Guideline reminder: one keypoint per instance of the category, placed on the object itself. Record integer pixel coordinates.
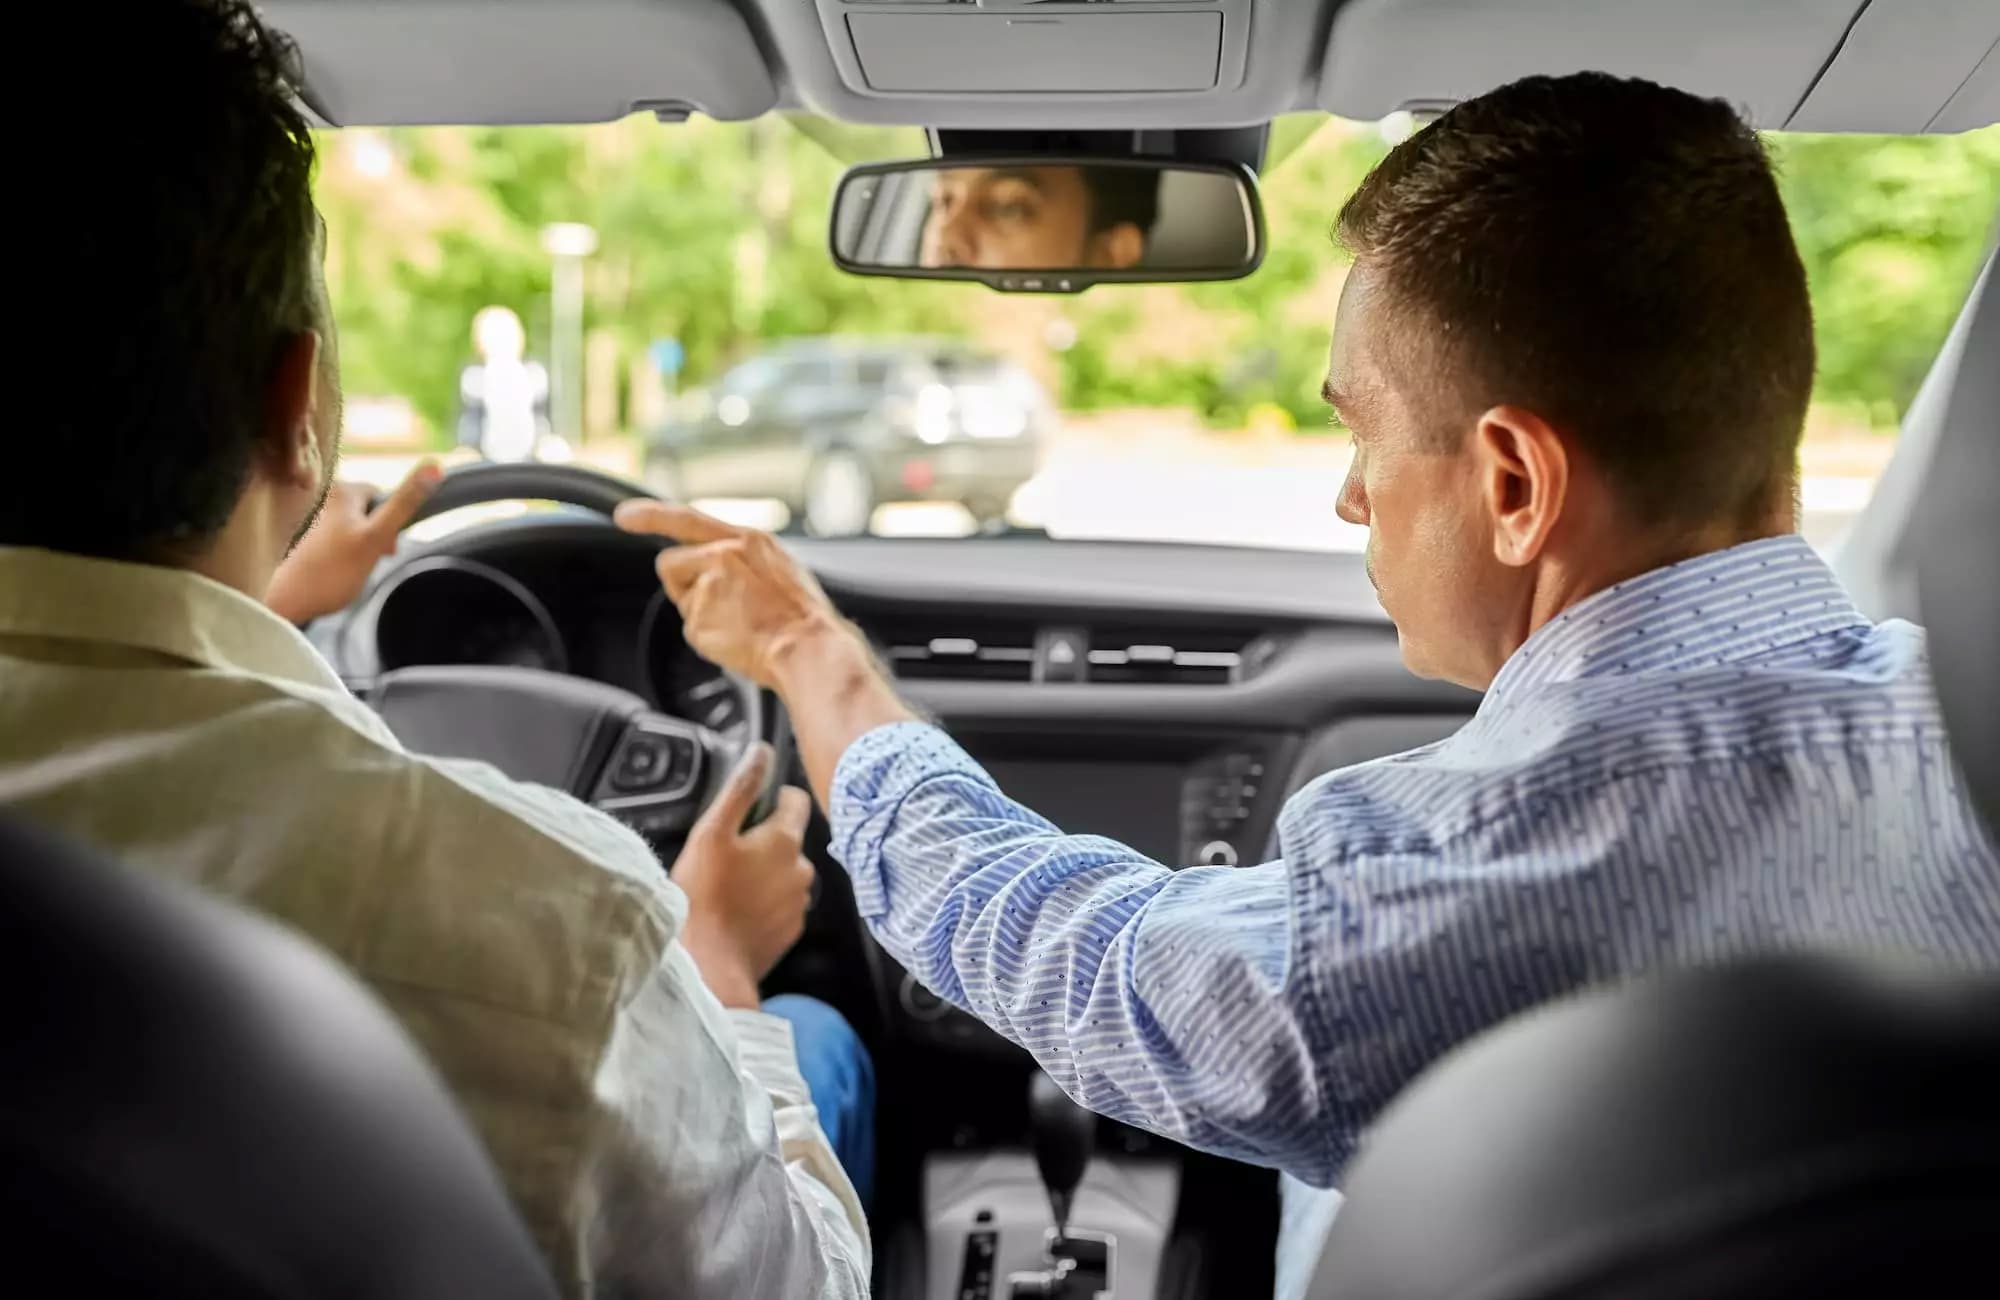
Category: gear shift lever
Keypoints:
(1063, 1134)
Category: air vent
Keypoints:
(976, 650)
(1176, 656)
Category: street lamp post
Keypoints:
(568, 243)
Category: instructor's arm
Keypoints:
(1166, 999)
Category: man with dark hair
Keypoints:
(599, 1023)
(1123, 196)
(1636, 305)
(1575, 352)
(1040, 218)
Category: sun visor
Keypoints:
(1763, 55)
(1910, 66)
(504, 62)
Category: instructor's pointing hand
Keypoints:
(744, 602)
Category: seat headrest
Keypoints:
(1957, 548)
(1586, 1147)
(194, 1091)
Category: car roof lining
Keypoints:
(1900, 66)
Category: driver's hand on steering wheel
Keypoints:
(747, 890)
(331, 563)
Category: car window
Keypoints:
(817, 373)
(956, 368)
(711, 259)
(751, 379)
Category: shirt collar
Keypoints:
(1721, 607)
(147, 607)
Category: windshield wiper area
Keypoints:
(1002, 528)
(993, 528)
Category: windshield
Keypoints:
(658, 301)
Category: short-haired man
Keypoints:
(1039, 218)
(1575, 351)
(599, 1023)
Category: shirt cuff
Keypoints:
(877, 773)
(768, 1055)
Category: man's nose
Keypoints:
(1352, 503)
(958, 238)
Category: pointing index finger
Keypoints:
(681, 523)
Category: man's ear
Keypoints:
(1523, 474)
(1120, 247)
(291, 445)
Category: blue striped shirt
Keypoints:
(1718, 756)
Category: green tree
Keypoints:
(1891, 230)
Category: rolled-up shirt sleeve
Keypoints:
(1167, 999)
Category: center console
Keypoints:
(988, 1234)
(1058, 1224)
(1228, 800)
(1179, 798)
(1183, 800)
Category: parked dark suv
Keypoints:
(834, 428)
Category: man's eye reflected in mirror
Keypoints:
(1039, 218)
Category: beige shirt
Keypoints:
(657, 1144)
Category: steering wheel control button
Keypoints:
(653, 778)
(645, 763)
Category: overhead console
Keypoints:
(1015, 47)
(1046, 64)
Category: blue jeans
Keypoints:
(841, 1078)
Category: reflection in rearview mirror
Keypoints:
(1048, 224)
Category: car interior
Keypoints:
(1170, 696)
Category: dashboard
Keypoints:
(1169, 697)
(523, 606)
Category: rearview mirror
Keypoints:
(1048, 225)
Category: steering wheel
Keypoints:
(603, 744)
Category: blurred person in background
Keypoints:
(504, 396)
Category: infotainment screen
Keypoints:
(1137, 804)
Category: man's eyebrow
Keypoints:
(1347, 406)
(1029, 176)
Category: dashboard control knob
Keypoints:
(919, 1003)
(1217, 853)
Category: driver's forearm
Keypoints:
(836, 693)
